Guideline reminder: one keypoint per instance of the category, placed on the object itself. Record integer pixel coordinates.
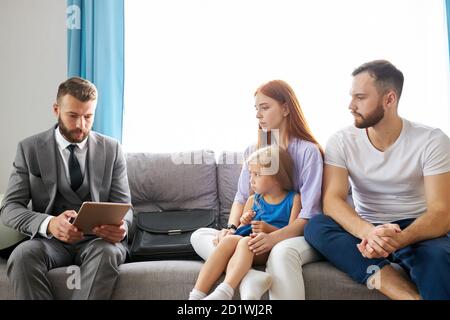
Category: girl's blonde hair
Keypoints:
(274, 161)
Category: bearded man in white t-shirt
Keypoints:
(399, 172)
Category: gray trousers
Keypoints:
(99, 263)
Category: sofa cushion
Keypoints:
(149, 280)
(175, 279)
(324, 281)
(164, 280)
(228, 170)
(172, 181)
(8, 237)
(5, 288)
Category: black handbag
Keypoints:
(167, 235)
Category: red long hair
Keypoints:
(297, 126)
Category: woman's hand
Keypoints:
(222, 233)
(261, 243)
(247, 217)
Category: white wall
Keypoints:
(32, 64)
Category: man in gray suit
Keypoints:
(58, 170)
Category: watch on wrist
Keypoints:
(231, 226)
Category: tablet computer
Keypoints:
(92, 214)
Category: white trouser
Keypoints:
(284, 264)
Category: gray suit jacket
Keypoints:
(34, 178)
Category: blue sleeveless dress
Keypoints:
(275, 214)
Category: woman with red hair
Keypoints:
(282, 122)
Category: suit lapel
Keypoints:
(46, 153)
(96, 162)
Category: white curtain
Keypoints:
(191, 67)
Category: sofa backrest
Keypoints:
(229, 167)
(172, 181)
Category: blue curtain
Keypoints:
(95, 49)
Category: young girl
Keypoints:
(272, 206)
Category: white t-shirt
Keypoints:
(389, 186)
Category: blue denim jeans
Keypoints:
(427, 262)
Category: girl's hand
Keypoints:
(247, 217)
(261, 226)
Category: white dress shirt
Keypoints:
(80, 153)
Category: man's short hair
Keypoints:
(386, 75)
(78, 88)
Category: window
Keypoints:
(192, 66)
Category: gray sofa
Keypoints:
(191, 180)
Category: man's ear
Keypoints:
(391, 99)
(56, 109)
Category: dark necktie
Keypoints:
(76, 178)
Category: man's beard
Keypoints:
(70, 135)
(371, 119)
